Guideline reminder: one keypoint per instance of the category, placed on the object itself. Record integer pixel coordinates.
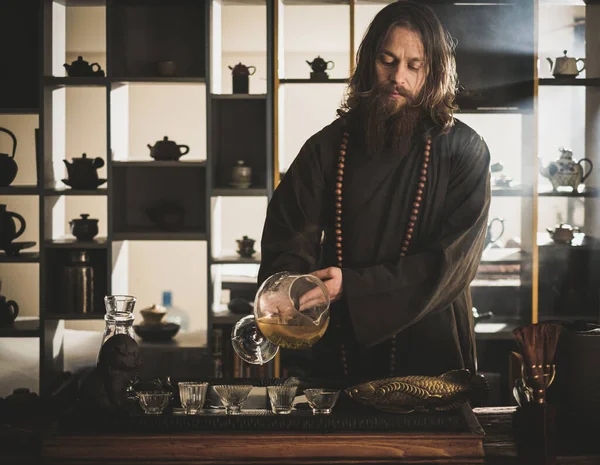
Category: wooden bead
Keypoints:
(338, 219)
(416, 204)
(338, 185)
(338, 245)
(341, 165)
(405, 242)
(413, 218)
(410, 230)
(340, 172)
(424, 172)
(338, 232)
(338, 192)
(338, 212)
(421, 185)
(404, 248)
(426, 153)
(411, 224)
(415, 211)
(423, 179)
(338, 205)
(408, 236)
(340, 179)
(418, 198)
(338, 226)
(425, 165)
(342, 152)
(338, 253)
(402, 254)
(338, 239)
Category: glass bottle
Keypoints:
(119, 316)
(175, 314)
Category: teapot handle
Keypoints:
(95, 64)
(22, 220)
(583, 62)
(332, 65)
(584, 177)
(253, 68)
(186, 149)
(501, 230)
(98, 162)
(15, 308)
(14, 139)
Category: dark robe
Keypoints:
(422, 299)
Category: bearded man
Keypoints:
(388, 205)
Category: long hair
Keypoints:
(439, 90)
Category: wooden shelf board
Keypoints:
(68, 243)
(22, 327)
(502, 256)
(160, 236)
(19, 111)
(121, 81)
(69, 191)
(582, 191)
(23, 257)
(159, 164)
(311, 81)
(225, 317)
(74, 316)
(588, 82)
(57, 82)
(19, 190)
(516, 191)
(233, 192)
(238, 96)
(235, 260)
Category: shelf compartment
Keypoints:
(69, 191)
(56, 260)
(582, 191)
(68, 243)
(140, 186)
(57, 82)
(233, 192)
(589, 82)
(22, 327)
(239, 132)
(516, 191)
(23, 257)
(20, 190)
(19, 111)
(143, 32)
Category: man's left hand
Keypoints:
(332, 278)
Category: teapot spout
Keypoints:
(551, 63)
(67, 67)
(309, 63)
(544, 171)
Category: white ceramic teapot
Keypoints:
(566, 66)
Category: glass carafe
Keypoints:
(119, 316)
(290, 311)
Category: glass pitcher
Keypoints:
(119, 316)
(290, 311)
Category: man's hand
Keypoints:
(332, 279)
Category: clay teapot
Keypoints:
(83, 172)
(562, 233)
(167, 150)
(153, 315)
(242, 70)
(489, 239)
(8, 228)
(241, 175)
(246, 247)
(566, 172)
(566, 66)
(9, 310)
(84, 228)
(81, 68)
(8, 165)
(319, 65)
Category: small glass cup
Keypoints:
(282, 398)
(153, 402)
(321, 400)
(192, 395)
(233, 396)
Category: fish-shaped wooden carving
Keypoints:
(421, 393)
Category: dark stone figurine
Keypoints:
(107, 385)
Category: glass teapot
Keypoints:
(290, 311)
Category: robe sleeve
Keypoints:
(386, 298)
(291, 239)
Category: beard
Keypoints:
(389, 123)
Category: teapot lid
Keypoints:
(165, 141)
(318, 59)
(83, 157)
(564, 227)
(85, 218)
(79, 62)
(154, 308)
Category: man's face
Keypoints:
(400, 66)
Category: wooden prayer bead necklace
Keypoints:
(407, 235)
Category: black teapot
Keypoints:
(8, 228)
(9, 310)
(319, 65)
(8, 165)
(81, 68)
(84, 228)
(240, 75)
(167, 150)
(489, 239)
(83, 172)
(246, 247)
